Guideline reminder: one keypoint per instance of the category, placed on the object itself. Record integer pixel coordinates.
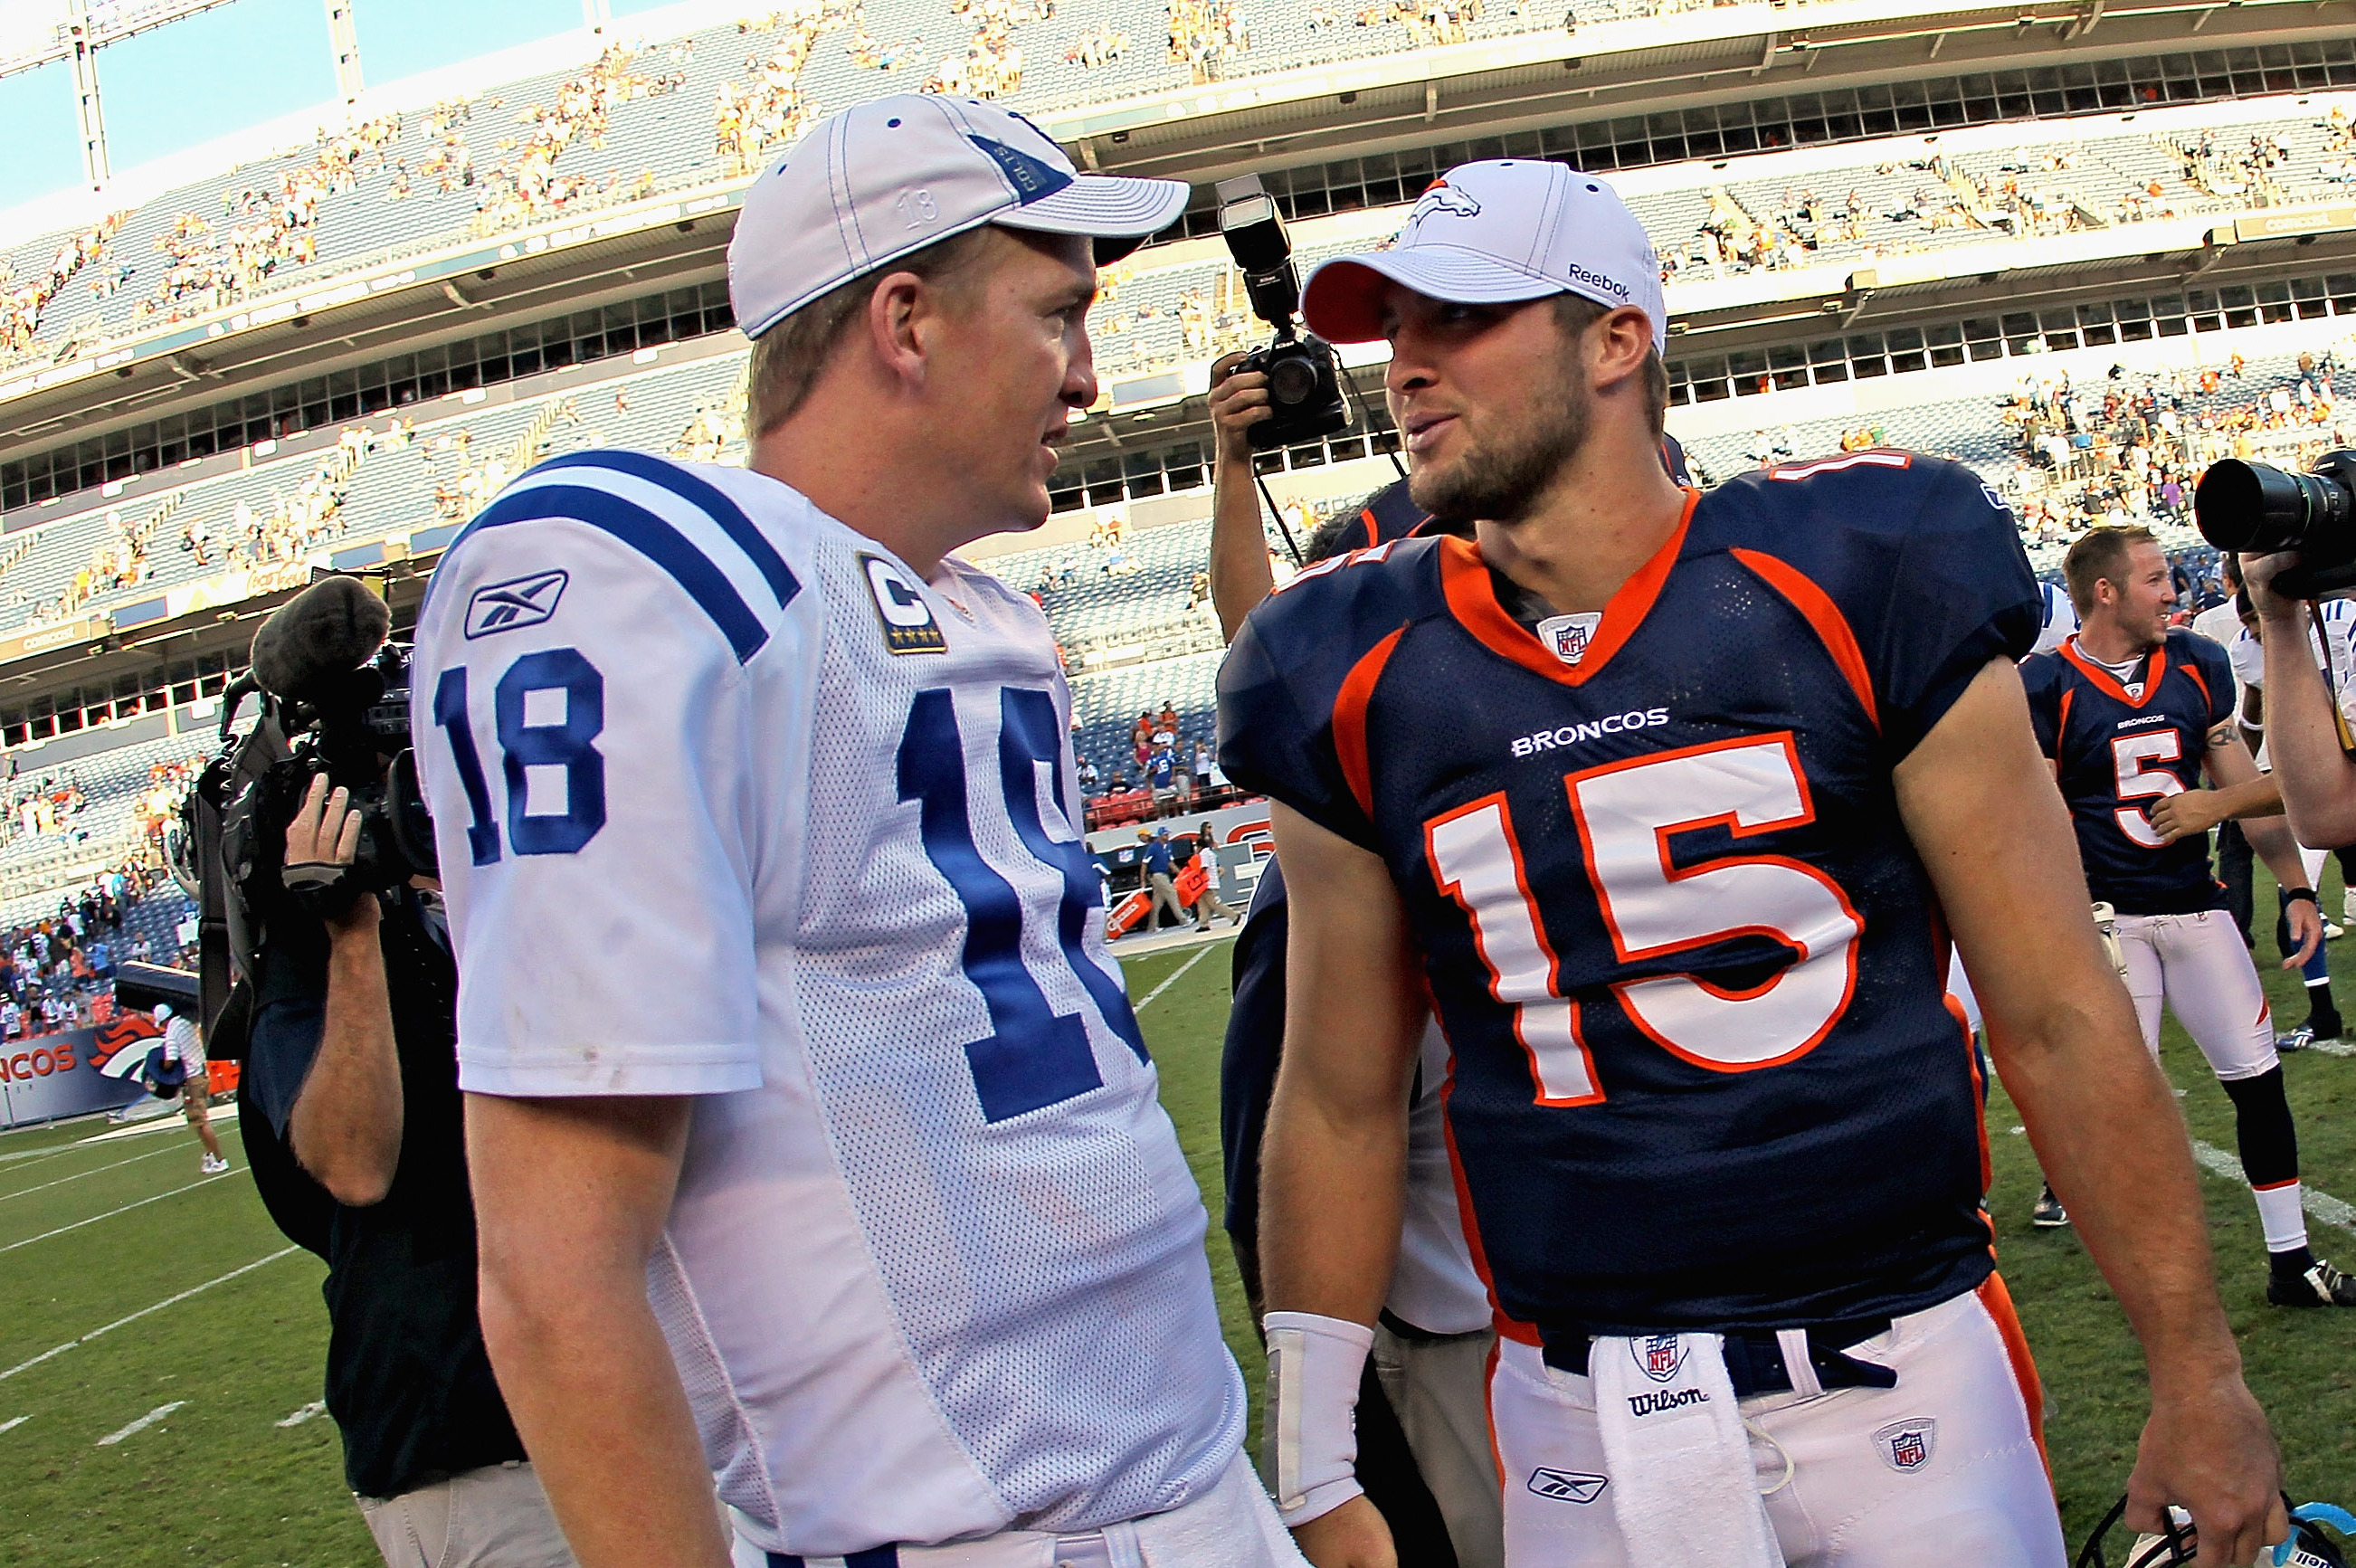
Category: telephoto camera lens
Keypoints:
(2251, 508)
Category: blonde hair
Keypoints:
(788, 358)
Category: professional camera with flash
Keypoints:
(1304, 379)
(2254, 509)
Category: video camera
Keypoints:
(2250, 508)
(1305, 376)
(335, 703)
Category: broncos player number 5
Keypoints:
(549, 709)
(1627, 814)
(2129, 753)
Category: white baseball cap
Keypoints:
(886, 178)
(163, 1014)
(1493, 232)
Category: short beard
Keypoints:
(1505, 485)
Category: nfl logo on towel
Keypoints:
(1906, 1446)
(1660, 1356)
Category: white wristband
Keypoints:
(1314, 1365)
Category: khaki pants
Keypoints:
(495, 1517)
(1440, 1390)
(1165, 893)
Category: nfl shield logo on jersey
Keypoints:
(1906, 1445)
(1567, 636)
(1660, 1356)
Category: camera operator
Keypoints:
(2295, 532)
(2304, 724)
(351, 1061)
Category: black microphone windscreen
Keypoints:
(329, 629)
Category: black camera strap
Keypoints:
(1277, 512)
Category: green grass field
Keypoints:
(92, 1234)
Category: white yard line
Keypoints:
(141, 1424)
(2318, 1205)
(317, 1407)
(145, 1311)
(220, 1116)
(117, 1166)
(12, 1423)
(1176, 976)
(140, 1202)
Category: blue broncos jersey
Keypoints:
(2116, 748)
(1689, 964)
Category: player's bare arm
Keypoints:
(2318, 780)
(2234, 771)
(2065, 1038)
(1240, 577)
(1333, 1167)
(2197, 811)
(571, 1196)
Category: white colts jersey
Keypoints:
(2061, 618)
(730, 804)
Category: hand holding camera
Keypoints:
(322, 842)
(1240, 402)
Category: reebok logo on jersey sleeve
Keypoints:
(907, 619)
(517, 602)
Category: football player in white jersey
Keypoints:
(2060, 619)
(890, 1239)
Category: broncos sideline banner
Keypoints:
(56, 1075)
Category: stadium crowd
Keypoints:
(57, 973)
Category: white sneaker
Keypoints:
(214, 1165)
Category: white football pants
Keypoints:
(1944, 1469)
(2197, 964)
(1233, 1525)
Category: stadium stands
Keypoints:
(649, 116)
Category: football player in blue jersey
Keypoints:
(1666, 804)
(2132, 713)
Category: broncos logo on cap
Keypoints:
(1441, 197)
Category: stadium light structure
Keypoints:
(82, 28)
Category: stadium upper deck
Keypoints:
(677, 114)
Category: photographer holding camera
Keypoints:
(351, 1061)
(2296, 537)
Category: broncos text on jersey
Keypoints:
(1705, 1075)
(2119, 747)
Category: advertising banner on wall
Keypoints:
(56, 1075)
